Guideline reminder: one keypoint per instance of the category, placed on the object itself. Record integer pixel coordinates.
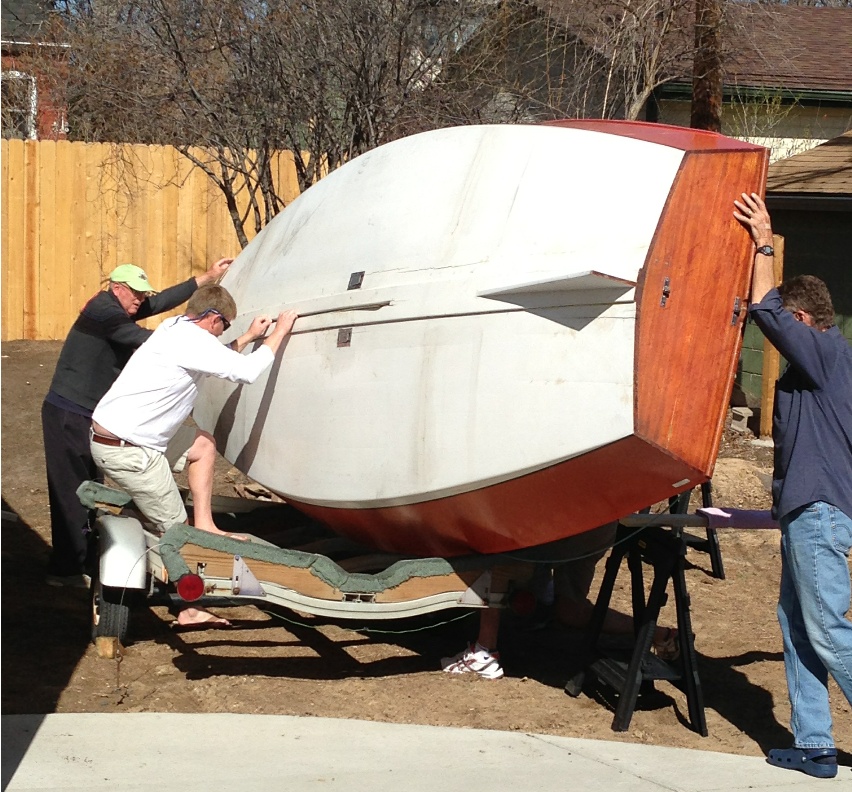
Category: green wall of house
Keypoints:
(751, 364)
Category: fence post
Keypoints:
(771, 357)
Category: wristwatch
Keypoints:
(766, 250)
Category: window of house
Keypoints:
(18, 107)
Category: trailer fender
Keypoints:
(123, 551)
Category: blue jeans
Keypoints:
(812, 607)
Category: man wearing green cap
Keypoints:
(100, 342)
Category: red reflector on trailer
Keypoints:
(189, 587)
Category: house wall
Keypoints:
(750, 370)
(819, 242)
(50, 123)
(787, 130)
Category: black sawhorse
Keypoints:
(664, 549)
(679, 504)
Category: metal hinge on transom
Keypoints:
(735, 318)
(666, 292)
(355, 280)
(344, 337)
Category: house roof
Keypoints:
(824, 170)
(22, 20)
(805, 51)
(798, 48)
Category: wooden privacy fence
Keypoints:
(73, 211)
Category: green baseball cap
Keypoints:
(133, 276)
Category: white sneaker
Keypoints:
(473, 661)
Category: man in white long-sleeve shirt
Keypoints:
(137, 431)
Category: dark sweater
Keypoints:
(101, 341)
(812, 420)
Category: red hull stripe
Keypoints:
(550, 504)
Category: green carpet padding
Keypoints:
(91, 494)
(324, 568)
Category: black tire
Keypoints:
(110, 612)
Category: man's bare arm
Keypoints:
(257, 330)
(283, 326)
(752, 213)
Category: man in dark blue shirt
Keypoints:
(98, 345)
(811, 494)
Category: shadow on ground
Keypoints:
(45, 630)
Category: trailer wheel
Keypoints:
(110, 612)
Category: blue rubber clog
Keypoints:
(816, 762)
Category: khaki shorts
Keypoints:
(146, 475)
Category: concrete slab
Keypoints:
(180, 753)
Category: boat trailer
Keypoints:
(311, 570)
(307, 568)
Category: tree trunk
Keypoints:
(707, 67)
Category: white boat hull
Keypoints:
(491, 340)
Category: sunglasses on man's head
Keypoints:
(225, 323)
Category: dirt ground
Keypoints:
(277, 662)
